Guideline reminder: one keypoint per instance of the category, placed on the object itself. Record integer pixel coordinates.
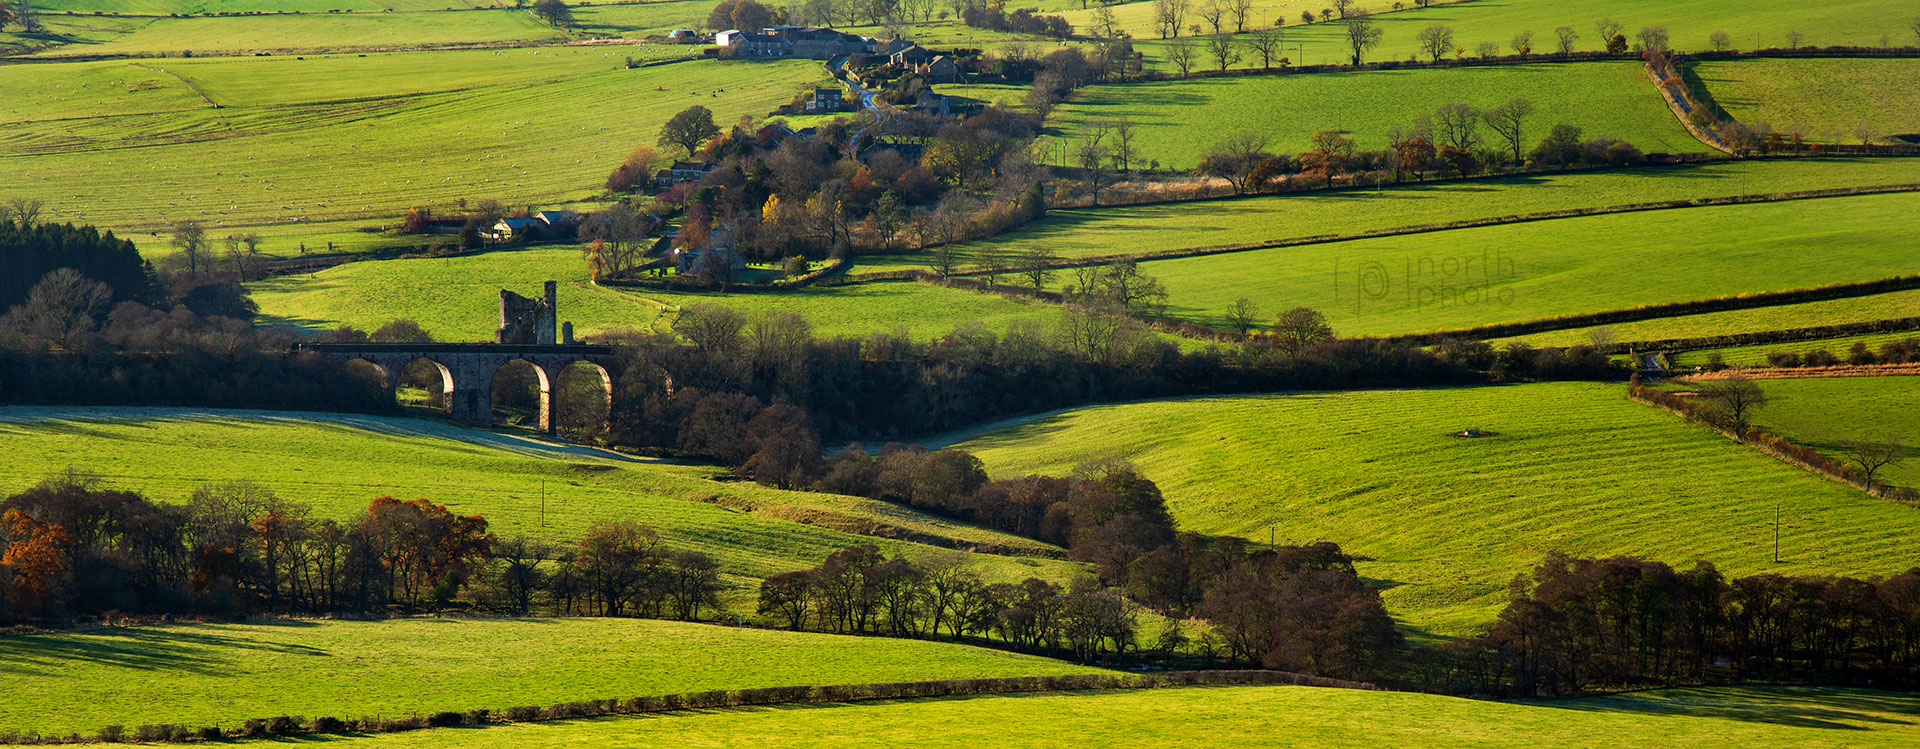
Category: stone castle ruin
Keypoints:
(531, 321)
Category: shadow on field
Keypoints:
(143, 648)
(1801, 707)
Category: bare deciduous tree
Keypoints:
(1362, 34)
(1296, 329)
(1567, 37)
(1436, 41)
(1244, 315)
(1522, 43)
(1224, 50)
(710, 327)
(1268, 43)
(1738, 397)
(1509, 120)
(1180, 53)
(1036, 265)
(1720, 40)
(1872, 452)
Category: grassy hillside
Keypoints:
(1780, 317)
(1826, 100)
(1261, 717)
(1448, 521)
(1542, 269)
(457, 299)
(338, 463)
(206, 674)
(286, 146)
(315, 32)
(1824, 413)
(1763, 23)
(1177, 121)
(1157, 228)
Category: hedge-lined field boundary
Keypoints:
(912, 274)
(1673, 309)
(1764, 337)
(1779, 447)
(286, 725)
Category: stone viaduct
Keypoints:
(526, 334)
(467, 370)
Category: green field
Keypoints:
(1177, 121)
(1823, 99)
(347, 138)
(1083, 232)
(207, 674)
(1517, 272)
(312, 32)
(1825, 412)
(457, 299)
(1757, 355)
(1448, 521)
(1256, 717)
(338, 463)
(1779, 317)
(1751, 24)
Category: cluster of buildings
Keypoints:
(824, 44)
(794, 41)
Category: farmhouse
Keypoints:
(827, 100)
(791, 41)
(941, 69)
(682, 171)
(912, 57)
(746, 44)
(718, 254)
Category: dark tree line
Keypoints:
(87, 321)
(72, 547)
(1581, 624)
(859, 590)
(888, 385)
(29, 252)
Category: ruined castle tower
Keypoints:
(527, 321)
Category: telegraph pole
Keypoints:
(1776, 532)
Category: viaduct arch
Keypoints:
(467, 370)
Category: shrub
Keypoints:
(111, 734)
(523, 713)
(283, 725)
(1783, 359)
(328, 725)
(444, 719)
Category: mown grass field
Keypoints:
(338, 463)
(1778, 317)
(348, 138)
(457, 299)
(1689, 25)
(1256, 717)
(1448, 521)
(1083, 232)
(312, 32)
(1826, 412)
(1527, 271)
(208, 674)
(1826, 100)
(1757, 355)
(1177, 121)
